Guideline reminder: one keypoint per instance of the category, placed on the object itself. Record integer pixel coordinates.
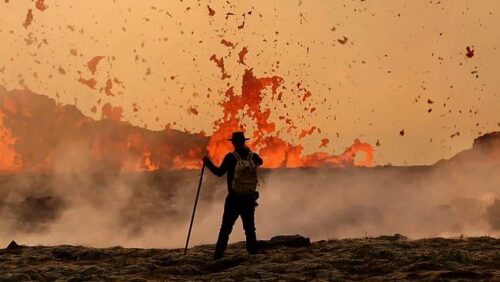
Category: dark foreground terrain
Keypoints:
(291, 258)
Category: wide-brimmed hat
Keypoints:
(238, 136)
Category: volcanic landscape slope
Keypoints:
(291, 258)
(453, 197)
(48, 136)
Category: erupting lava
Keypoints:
(274, 150)
(39, 131)
(9, 160)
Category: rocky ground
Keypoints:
(290, 258)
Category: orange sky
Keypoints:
(156, 54)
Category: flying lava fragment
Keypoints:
(470, 52)
(265, 139)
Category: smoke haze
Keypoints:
(108, 155)
(79, 205)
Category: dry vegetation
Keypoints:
(282, 258)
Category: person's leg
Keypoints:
(248, 219)
(228, 218)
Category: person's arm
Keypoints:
(257, 159)
(219, 171)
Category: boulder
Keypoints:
(13, 246)
(294, 241)
(395, 237)
(63, 254)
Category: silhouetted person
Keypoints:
(240, 166)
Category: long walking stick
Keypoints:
(194, 208)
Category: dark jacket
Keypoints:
(228, 165)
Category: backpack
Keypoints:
(245, 175)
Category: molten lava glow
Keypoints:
(38, 129)
(9, 160)
(147, 164)
(265, 139)
(191, 161)
(36, 134)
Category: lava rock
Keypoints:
(63, 254)
(13, 246)
(294, 241)
(225, 263)
(92, 255)
(395, 237)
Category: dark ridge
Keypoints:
(45, 130)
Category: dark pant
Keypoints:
(235, 206)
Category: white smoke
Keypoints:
(78, 205)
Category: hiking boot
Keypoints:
(218, 256)
(253, 251)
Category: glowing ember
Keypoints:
(241, 55)
(9, 160)
(147, 164)
(40, 5)
(220, 64)
(92, 64)
(29, 19)
(91, 82)
(305, 133)
(108, 88)
(470, 52)
(226, 43)
(211, 11)
(113, 113)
